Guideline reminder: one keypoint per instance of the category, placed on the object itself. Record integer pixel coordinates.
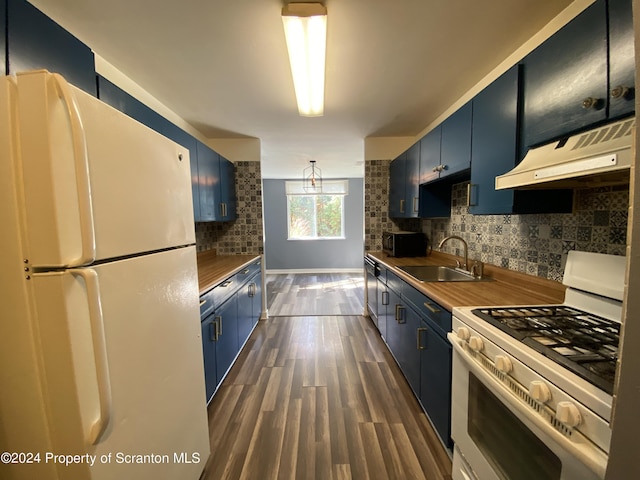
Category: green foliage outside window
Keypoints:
(315, 216)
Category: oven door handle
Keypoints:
(587, 453)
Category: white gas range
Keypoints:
(532, 386)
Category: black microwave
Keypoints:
(404, 244)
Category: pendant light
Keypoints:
(312, 178)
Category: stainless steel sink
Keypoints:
(439, 273)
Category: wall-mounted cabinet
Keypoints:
(216, 180)
(122, 101)
(34, 41)
(581, 76)
(495, 151)
(621, 59)
(404, 200)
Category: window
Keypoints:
(316, 216)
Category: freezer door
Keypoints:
(122, 350)
(97, 184)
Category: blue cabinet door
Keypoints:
(430, 155)
(181, 137)
(565, 79)
(227, 346)
(245, 312)
(209, 183)
(397, 207)
(257, 297)
(412, 181)
(34, 41)
(435, 380)
(455, 154)
(227, 190)
(621, 59)
(495, 151)
(122, 101)
(382, 300)
(495, 143)
(209, 353)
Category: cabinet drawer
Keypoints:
(207, 304)
(394, 282)
(428, 309)
(224, 290)
(247, 272)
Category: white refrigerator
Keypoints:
(101, 367)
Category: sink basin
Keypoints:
(439, 273)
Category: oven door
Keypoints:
(498, 437)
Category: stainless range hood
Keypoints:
(601, 156)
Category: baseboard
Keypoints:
(313, 271)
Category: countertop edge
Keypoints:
(214, 269)
(527, 289)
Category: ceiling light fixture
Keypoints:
(312, 178)
(305, 28)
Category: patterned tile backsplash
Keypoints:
(243, 235)
(534, 244)
(537, 244)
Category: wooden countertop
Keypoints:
(213, 269)
(507, 287)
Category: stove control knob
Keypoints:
(539, 391)
(476, 344)
(463, 333)
(503, 363)
(568, 413)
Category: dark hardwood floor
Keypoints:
(320, 397)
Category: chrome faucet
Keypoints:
(466, 248)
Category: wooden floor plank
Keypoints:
(320, 397)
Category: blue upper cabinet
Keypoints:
(404, 174)
(455, 150)
(121, 100)
(227, 190)
(430, 155)
(565, 79)
(217, 182)
(495, 151)
(495, 146)
(397, 180)
(3, 36)
(34, 41)
(209, 183)
(621, 59)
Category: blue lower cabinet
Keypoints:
(402, 323)
(435, 379)
(225, 320)
(256, 298)
(382, 302)
(209, 353)
(245, 312)
(416, 329)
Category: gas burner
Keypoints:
(582, 342)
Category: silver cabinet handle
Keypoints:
(385, 300)
(203, 302)
(418, 336)
(416, 202)
(402, 206)
(432, 308)
(399, 310)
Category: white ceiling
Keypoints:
(393, 66)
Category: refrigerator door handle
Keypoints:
(81, 162)
(99, 426)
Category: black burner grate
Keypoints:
(584, 343)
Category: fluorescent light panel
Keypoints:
(305, 27)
